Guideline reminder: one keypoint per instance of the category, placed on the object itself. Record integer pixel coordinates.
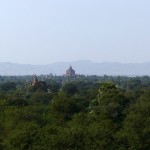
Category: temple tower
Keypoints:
(70, 72)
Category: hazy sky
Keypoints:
(47, 31)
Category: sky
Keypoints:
(49, 31)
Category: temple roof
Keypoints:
(70, 68)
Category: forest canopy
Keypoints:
(82, 112)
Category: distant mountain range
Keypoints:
(81, 67)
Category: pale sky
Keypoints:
(48, 31)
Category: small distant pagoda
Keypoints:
(70, 72)
(38, 85)
(35, 81)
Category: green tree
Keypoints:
(40, 98)
(136, 127)
(110, 102)
(64, 106)
(69, 88)
(8, 86)
(22, 137)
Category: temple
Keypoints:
(38, 85)
(35, 81)
(70, 72)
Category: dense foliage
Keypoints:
(79, 113)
